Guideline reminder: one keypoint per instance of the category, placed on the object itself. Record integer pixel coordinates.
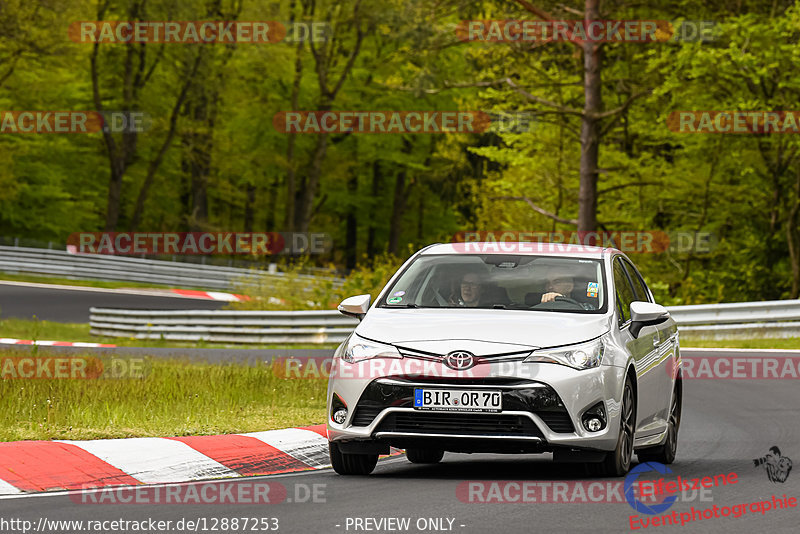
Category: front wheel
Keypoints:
(665, 453)
(617, 463)
(351, 464)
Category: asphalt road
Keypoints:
(726, 424)
(72, 305)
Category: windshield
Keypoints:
(519, 282)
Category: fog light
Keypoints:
(339, 416)
(594, 419)
(594, 424)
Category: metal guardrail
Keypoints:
(22, 260)
(737, 312)
(743, 319)
(260, 327)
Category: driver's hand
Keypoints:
(550, 297)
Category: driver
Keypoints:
(470, 291)
(559, 284)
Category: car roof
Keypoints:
(523, 248)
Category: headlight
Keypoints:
(580, 356)
(359, 349)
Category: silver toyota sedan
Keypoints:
(508, 348)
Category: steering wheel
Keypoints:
(562, 298)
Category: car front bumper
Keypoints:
(542, 408)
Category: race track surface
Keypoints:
(72, 305)
(726, 424)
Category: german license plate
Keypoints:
(458, 400)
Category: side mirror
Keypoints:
(355, 306)
(646, 314)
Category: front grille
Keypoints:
(539, 399)
(365, 414)
(459, 423)
(558, 422)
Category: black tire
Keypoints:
(617, 463)
(351, 464)
(665, 453)
(424, 456)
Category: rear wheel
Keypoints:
(665, 453)
(424, 456)
(351, 464)
(617, 463)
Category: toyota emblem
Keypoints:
(459, 360)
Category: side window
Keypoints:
(624, 290)
(638, 284)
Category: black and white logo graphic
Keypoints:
(777, 466)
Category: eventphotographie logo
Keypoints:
(776, 466)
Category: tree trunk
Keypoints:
(351, 231)
(196, 160)
(420, 216)
(309, 191)
(590, 127)
(793, 237)
(249, 207)
(376, 190)
(197, 164)
(135, 75)
(114, 196)
(398, 210)
(291, 172)
(326, 56)
(272, 205)
(155, 163)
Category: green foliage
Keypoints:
(227, 167)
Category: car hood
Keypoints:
(487, 331)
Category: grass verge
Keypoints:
(170, 398)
